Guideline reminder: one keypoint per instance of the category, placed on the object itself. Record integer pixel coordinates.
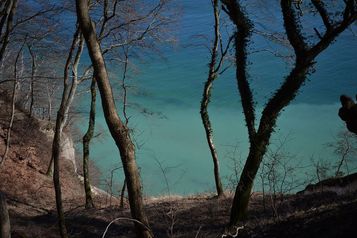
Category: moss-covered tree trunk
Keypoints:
(305, 55)
(118, 130)
(86, 140)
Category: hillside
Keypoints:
(32, 212)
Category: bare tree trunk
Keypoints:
(56, 150)
(118, 130)
(122, 193)
(13, 102)
(7, 18)
(212, 75)
(61, 120)
(305, 56)
(11, 122)
(5, 10)
(49, 109)
(68, 90)
(49, 92)
(245, 185)
(5, 231)
(32, 83)
(125, 98)
(86, 140)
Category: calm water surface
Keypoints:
(170, 138)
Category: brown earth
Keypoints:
(31, 202)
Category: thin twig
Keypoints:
(123, 219)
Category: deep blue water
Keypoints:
(170, 89)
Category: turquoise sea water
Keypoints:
(164, 108)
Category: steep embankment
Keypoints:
(22, 176)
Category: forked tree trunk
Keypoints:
(69, 91)
(118, 130)
(260, 142)
(86, 140)
(5, 231)
(305, 56)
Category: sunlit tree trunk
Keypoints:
(118, 130)
(69, 91)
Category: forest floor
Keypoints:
(30, 198)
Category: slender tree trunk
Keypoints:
(5, 10)
(118, 130)
(11, 122)
(212, 75)
(49, 171)
(68, 90)
(7, 18)
(86, 140)
(49, 93)
(32, 83)
(56, 151)
(13, 102)
(126, 118)
(5, 231)
(49, 109)
(61, 120)
(122, 193)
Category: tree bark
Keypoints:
(32, 83)
(5, 229)
(122, 193)
(67, 94)
(11, 122)
(212, 75)
(56, 150)
(7, 18)
(13, 107)
(86, 140)
(61, 120)
(305, 56)
(118, 130)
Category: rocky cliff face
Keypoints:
(67, 147)
(23, 175)
(68, 151)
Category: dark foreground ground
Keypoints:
(31, 202)
(318, 215)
